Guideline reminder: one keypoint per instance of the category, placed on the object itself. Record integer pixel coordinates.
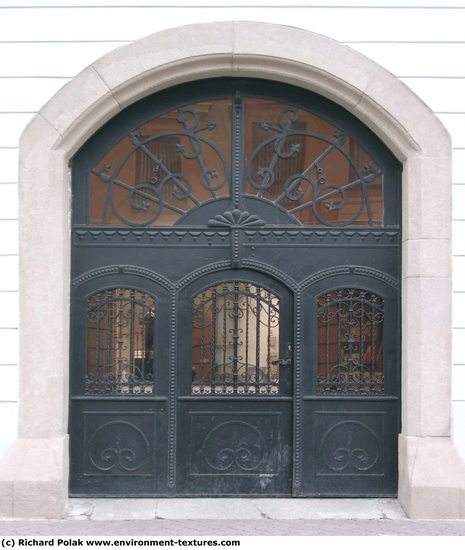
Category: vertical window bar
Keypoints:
(339, 351)
(213, 344)
(132, 373)
(257, 335)
(97, 381)
(351, 339)
(225, 331)
(110, 354)
(202, 333)
(362, 336)
(235, 334)
(373, 342)
(268, 351)
(247, 375)
(328, 341)
(119, 339)
(145, 321)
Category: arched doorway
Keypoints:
(235, 321)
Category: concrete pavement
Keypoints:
(228, 517)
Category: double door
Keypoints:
(235, 300)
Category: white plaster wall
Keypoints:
(44, 44)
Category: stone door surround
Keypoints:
(34, 476)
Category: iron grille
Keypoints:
(350, 342)
(235, 340)
(120, 350)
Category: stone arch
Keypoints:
(430, 485)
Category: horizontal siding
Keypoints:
(9, 273)
(8, 237)
(458, 157)
(9, 392)
(8, 201)
(458, 310)
(440, 94)
(455, 124)
(335, 4)
(458, 388)
(413, 59)
(458, 276)
(458, 203)
(458, 416)
(130, 23)
(50, 59)
(458, 349)
(9, 165)
(8, 346)
(11, 126)
(458, 238)
(27, 94)
(8, 427)
(9, 311)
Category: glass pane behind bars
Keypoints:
(164, 168)
(120, 347)
(350, 342)
(308, 166)
(235, 340)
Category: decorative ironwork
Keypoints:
(235, 340)
(118, 447)
(120, 347)
(350, 447)
(318, 179)
(156, 179)
(234, 447)
(350, 342)
(236, 218)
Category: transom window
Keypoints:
(307, 166)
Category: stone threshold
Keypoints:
(105, 509)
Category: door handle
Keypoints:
(287, 360)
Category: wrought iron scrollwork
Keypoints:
(158, 178)
(234, 447)
(235, 340)
(317, 178)
(350, 342)
(120, 346)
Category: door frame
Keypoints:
(302, 58)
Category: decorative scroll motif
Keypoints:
(235, 340)
(156, 179)
(350, 447)
(318, 179)
(120, 350)
(234, 447)
(118, 447)
(350, 342)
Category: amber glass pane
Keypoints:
(307, 166)
(350, 342)
(235, 340)
(164, 168)
(120, 347)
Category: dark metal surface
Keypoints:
(242, 348)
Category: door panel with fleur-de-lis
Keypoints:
(235, 310)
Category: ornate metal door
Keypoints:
(235, 295)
